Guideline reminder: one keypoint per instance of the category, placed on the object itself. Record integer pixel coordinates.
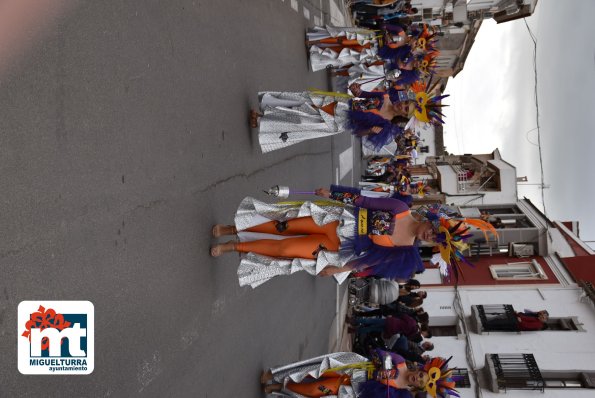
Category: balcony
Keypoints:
(494, 318)
(502, 318)
(514, 372)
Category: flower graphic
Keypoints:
(43, 319)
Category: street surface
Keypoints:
(123, 137)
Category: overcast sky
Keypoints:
(493, 105)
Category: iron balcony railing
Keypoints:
(498, 318)
(517, 372)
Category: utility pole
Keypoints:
(523, 181)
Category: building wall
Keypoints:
(427, 134)
(553, 350)
(480, 274)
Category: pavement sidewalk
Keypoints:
(339, 338)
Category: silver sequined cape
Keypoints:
(290, 117)
(315, 367)
(322, 56)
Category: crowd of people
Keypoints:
(403, 324)
(390, 95)
(390, 176)
(389, 358)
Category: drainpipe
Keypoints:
(458, 307)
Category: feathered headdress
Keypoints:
(425, 39)
(427, 63)
(427, 108)
(452, 231)
(440, 383)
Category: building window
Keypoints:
(514, 372)
(527, 270)
(564, 324)
(427, 13)
(558, 379)
(495, 318)
(521, 372)
(463, 375)
(445, 330)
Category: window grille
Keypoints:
(498, 318)
(517, 372)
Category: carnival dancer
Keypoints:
(332, 46)
(331, 374)
(379, 113)
(409, 56)
(374, 236)
(288, 118)
(346, 374)
(370, 112)
(343, 47)
(402, 61)
(433, 378)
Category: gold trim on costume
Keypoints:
(362, 222)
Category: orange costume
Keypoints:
(355, 234)
(308, 246)
(340, 47)
(327, 384)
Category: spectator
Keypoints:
(412, 298)
(532, 321)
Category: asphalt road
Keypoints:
(123, 138)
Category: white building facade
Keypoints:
(522, 364)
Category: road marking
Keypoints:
(337, 298)
(294, 5)
(337, 18)
(306, 13)
(338, 312)
(353, 174)
(346, 162)
(321, 13)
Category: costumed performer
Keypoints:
(338, 47)
(372, 236)
(408, 56)
(377, 112)
(349, 375)
(403, 60)
(288, 118)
